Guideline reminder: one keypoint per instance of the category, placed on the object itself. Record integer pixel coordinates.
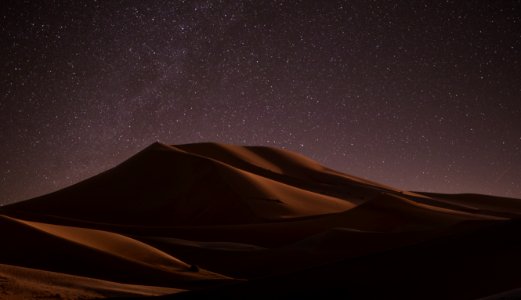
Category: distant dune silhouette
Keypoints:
(237, 222)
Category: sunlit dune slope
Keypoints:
(90, 252)
(266, 160)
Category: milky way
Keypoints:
(424, 95)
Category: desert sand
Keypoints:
(234, 222)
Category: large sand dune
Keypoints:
(228, 221)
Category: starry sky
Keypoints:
(420, 95)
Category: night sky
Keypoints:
(420, 95)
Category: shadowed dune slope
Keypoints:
(468, 265)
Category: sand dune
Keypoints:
(163, 185)
(110, 243)
(195, 217)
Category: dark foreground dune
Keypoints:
(230, 222)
